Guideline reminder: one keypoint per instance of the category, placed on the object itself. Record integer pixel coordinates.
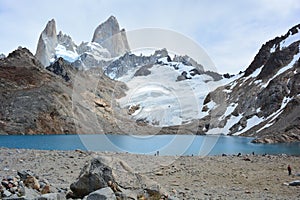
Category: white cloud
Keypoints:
(230, 31)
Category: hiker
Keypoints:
(289, 170)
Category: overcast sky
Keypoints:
(230, 31)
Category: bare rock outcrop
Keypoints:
(47, 43)
(109, 35)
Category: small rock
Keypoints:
(5, 183)
(246, 159)
(159, 174)
(32, 182)
(46, 189)
(24, 174)
(6, 193)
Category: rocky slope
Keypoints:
(264, 101)
(57, 100)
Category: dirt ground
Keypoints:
(187, 177)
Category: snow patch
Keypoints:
(228, 111)
(290, 39)
(253, 121)
(214, 131)
(70, 56)
(264, 127)
(165, 101)
(285, 101)
(290, 65)
(273, 49)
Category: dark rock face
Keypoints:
(183, 76)
(37, 101)
(129, 62)
(267, 95)
(277, 60)
(264, 53)
(143, 71)
(186, 60)
(28, 97)
(63, 69)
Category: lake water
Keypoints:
(165, 144)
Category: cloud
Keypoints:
(230, 31)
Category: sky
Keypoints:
(230, 31)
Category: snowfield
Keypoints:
(163, 100)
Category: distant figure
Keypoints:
(157, 153)
(253, 153)
(289, 170)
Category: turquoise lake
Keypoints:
(165, 144)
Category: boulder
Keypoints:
(24, 174)
(51, 196)
(101, 171)
(31, 193)
(102, 194)
(95, 175)
(6, 193)
(294, 183)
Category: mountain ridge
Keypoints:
(258, 103)
(261, 102)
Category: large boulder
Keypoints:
(95, 175)
(111, 172)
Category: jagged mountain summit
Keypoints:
(108, 42)
(47, 43)
(185, 74)
(265, 101)
(109, 35)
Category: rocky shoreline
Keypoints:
(40, 174)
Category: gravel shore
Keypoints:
(189, 177)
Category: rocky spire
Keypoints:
(109, 35)
(47, 43)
